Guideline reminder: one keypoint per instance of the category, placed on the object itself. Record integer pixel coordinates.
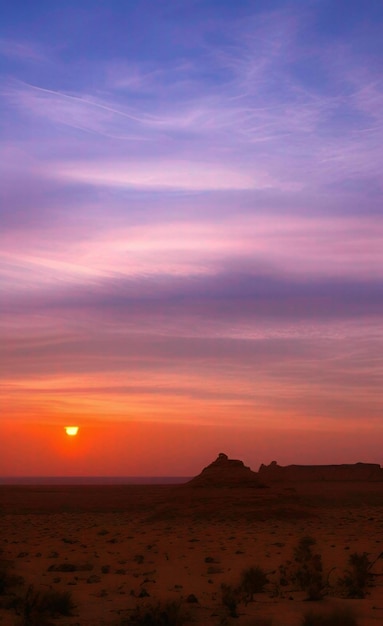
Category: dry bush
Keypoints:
(229, 597)
(11, 586)
(358, 576)
(38, 606)
(305, 571)
(253, 580)
(169, 613)
(8, 579)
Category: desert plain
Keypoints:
(117, 547)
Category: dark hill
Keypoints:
(370, 472)
(225, 472)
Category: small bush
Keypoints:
(4, 576)
(230, 599)
(307, 570)
(357, 577)
(37, 606)
(337, 617)
(56, 602)
(253, 580)
(162, 614)
(8, 579)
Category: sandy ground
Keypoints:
(129, 545)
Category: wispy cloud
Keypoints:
(165, 174)
(23, 50)
(262, 110)
(77, 111)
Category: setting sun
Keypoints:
(71, 430)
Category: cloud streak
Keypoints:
(175, 174)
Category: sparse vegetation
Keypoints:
(162, 614)
(8, 579)
(4, 576)
(230, 599)
(307, 569)
(143, 579)
(253, 580)
(38, 606)
(356, 579)
(337, 617)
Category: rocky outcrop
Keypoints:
(225, 472)
(346, 472)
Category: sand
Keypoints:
(132, 545)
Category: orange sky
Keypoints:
(166, 449)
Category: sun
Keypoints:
(71, 430)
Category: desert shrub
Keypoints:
(162, 614)
(37, 606)
(230, 599)
(8, 579)
(337, 617)
(353, 584)
(307, 569)
(4, 576)
(56, 602)
(253, 580)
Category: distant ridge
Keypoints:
(225, 472)
(370, 472)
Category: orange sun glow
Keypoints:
(71, 430)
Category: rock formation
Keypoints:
(225, 472)
(346, 472)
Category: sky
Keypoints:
(191, 234)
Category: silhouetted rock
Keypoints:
(225, 472)
(345, 472)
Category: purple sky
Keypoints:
(191, 229)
